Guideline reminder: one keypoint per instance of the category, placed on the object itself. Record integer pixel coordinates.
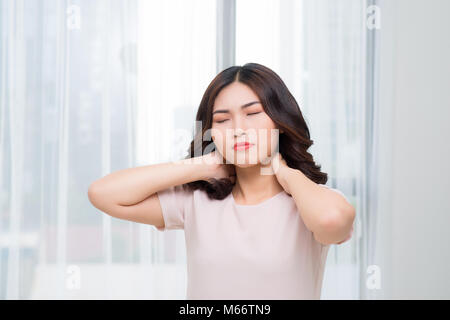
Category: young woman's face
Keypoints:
(233, 123)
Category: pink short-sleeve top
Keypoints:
(234, 251)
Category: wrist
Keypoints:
(196, 167)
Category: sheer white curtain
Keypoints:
(89, 87)
(318, 47)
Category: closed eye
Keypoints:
(248, 114)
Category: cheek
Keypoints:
(268, 141)
(218, 137)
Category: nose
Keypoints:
(238, 132)
(239, 127)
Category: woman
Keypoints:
(257, 217)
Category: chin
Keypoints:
(243, 165)
(243, 160)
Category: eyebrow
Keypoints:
(248, 104)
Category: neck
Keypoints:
(253, 186)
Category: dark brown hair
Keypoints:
(279, 105)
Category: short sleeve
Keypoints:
(342, 194)
(175, 204)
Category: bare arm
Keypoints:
(325, 212)
(130, 193)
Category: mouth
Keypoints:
(242, 145)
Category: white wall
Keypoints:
(413, 231)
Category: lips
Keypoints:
(242, 145)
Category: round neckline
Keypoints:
(254, 205)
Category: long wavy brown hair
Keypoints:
(280, 106)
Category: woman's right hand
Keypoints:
(216, 168)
